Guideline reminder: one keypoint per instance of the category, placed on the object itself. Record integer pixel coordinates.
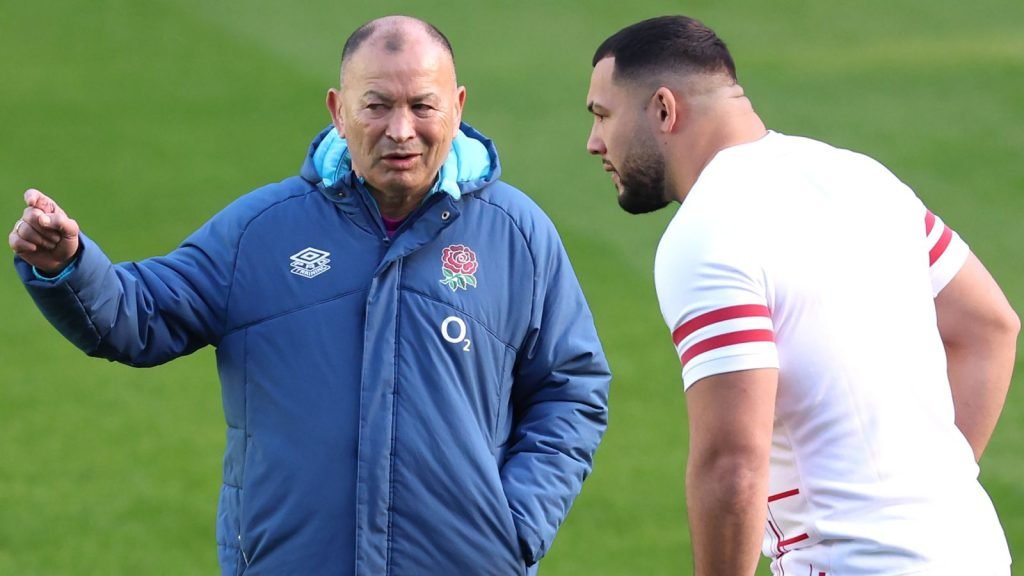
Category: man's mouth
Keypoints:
(400, 159)
(613, 173)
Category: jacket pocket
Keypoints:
(503, 406)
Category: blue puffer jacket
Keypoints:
(428, 404)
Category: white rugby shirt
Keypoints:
(791, 254)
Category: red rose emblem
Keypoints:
(458, 264)
(459, 259)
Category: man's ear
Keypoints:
(460, 102)
(335, 108)
(667, 109)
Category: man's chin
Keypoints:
(640, 205)
(403, 182)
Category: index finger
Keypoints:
(37, 199)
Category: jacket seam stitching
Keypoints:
(92, 325)
(238, 248)
(250, 324)
(529, 247)
(461, 311)
(245, 444)
(497, 402)
(394, 420)
(100, 336)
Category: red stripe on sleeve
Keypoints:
(722, 340)
(720, 315)
(929, 222)
(793, 540)
(936, 252)
(782, 495)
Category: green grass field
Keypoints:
(145, 118)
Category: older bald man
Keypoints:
(411, 377)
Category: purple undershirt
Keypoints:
(391, 225)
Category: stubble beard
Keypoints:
(642, 180)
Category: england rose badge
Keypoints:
(458, 264)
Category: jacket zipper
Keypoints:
(241, 548)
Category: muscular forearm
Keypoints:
(726, 501)
(979, 376)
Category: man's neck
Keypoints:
(396, 205)
(733, 124)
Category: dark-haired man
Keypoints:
(845, 357)
(411, 377)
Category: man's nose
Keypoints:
(401, 125)
(595, 145)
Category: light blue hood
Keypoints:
(468, 160)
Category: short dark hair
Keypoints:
(394, 41)
(665, 44)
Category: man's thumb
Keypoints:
(68, 228)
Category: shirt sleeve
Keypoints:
(714, 300)
(947, 252)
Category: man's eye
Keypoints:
(375, 107)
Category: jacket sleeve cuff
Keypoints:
(34, 278)
(62, 275)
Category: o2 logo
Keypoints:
(453, 330)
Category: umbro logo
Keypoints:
(310, 262)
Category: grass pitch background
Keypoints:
(144, 118)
